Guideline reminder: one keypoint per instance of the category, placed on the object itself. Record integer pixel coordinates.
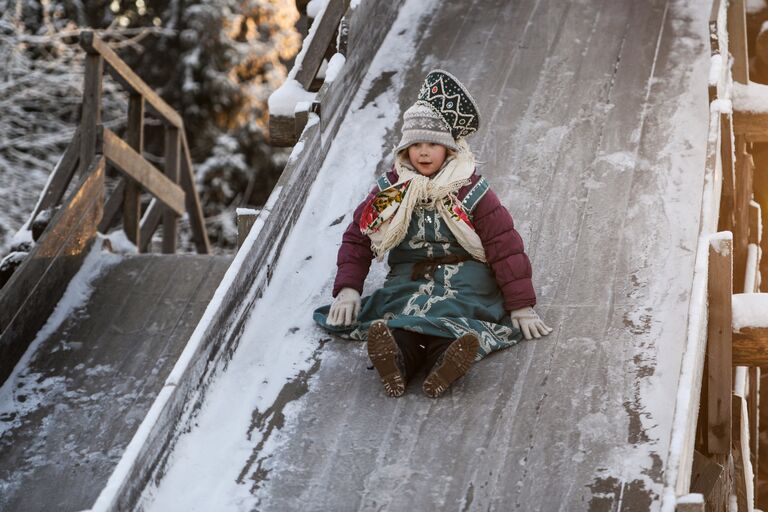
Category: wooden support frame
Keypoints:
(741, 440)
(122, 156)
(120, 71)
(196, 219)
(719, 342)
(284, 130)
(90, 116)
(170, 217)
(737, 40)
(132, 194)
(750, 347)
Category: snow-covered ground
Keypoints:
(280, 339)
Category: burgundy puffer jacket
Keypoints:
(502, 243)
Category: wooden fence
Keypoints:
(722, 366)
(29, 297)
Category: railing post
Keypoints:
(737, 40)
(90, 115)
(131, 196)
(170, 219)
(719, 341)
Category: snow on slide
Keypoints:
(211, 466)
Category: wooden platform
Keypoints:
(578, 102)
(82, 395)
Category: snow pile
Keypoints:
(755, 6)
(750, 310)
(752, 97)
(334, 67)
(283, 101)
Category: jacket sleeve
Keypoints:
(505, 252)
(355, 254)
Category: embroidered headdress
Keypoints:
(443, 113)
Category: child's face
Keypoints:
(426, 157)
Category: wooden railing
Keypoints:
(720, 449)
(173, 190)
(328, 35)
(29, 297)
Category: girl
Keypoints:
(459, 285)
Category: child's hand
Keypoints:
(345, 307)
(528, 321)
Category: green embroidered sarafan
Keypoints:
(455, 299)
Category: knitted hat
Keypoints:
(444, 112)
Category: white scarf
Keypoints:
(456, 173)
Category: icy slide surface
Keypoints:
(593, 134)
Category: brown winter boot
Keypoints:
(451, 365)
(386, 358)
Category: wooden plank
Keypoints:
(719, 337)
(112, 207)
(122, 156)
(737, 40)
(282, 131)
(192, 199)
(60, 178)
(753, 411)
(710, 479)
(90, 118)
(245, 219)
(149, 223)
(753, 126)
(125, 75)
(742, 197)
(132, 196)
(729, 175)
(323, 37)
(33, 291)
(755, 220)
(750, 346)
(170, 218)
(740, 442)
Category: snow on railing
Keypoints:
(287, 104)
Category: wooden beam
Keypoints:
(90, 114)
(753, 410)
(112, 207)
(729, 174)
(245, 219)
(737, 40)
(122, 156)
(323, 37)
(719, 377)
(750, 346)
(195, 211)
(132, 197)
(753, 126)
(740, 442)
(149, 223)
(170, 218)
(711, 479)
(125, 75)
(755, 222)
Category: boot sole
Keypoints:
(458, 358)
(383, 351)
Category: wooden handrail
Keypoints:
(312, 58)
(123, 156)
(127, 155)
(120, 71)
(284, 130)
